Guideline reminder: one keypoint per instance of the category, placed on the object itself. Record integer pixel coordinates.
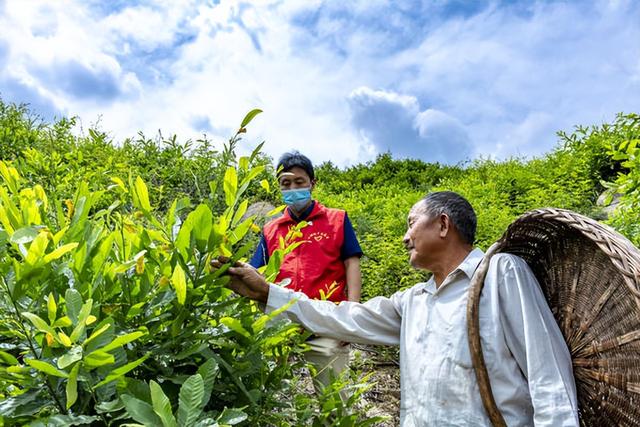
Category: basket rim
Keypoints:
(624, 255)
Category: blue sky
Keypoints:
(438, 80)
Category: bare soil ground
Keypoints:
(383, 398)
(381, 367)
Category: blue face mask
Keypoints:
(298, 198)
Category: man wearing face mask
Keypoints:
(325, 266)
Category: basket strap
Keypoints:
(475, 347)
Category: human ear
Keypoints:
(445, 225)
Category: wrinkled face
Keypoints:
(423, 238)
(294, 178)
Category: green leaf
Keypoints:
(98, 358)
(230, 185)
(209, 370)
(73, 301)
(119, 183)
(25, 234)
(231, 416)
(162, 405)
(25, 404)
(140, 411)
(10, 176)
(66, 421)
(122, 340)
(250, 115)
(46, 368)
(202, 222)
(265, 184)
(58, 252)
(122, 370)
(243, 162)
(52, 308)
(256, 151)
(85, 311)
(240, 231)
(143, 195)
(8, 358)
(37, 248)
(72, 386)
(62, 322)
(73, 355)
(179, 282)
(171, 217)
(235, 325)
(96, 333)
(242, 209)
(191, 400)
(250, 176)
(40, 324)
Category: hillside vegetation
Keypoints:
(109, 313)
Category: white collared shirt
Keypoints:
(528, 361)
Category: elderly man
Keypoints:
(526, 356)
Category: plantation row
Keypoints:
(110, 314)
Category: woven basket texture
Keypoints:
(590, 276)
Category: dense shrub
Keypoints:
(110, 313)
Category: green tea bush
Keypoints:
(111, 315)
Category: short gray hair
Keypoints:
(457, 208)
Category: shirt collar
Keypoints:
(467, 266)
(470, 263)
(304, 215)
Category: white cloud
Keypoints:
(459, 79)
(393, 122)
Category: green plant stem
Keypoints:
(95, 399)
(30, 343)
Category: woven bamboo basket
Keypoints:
(590, 276)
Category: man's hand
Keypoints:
(245, 279)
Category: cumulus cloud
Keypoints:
(461, 79)
(393, 122)
(71, 77)
(23, 93)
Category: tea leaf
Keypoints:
(72, 386)
(46, 368)
(58, 252)
(25, 234)
(122, 340)
(250, 115)
(191, 400)
(122, 370)
(40, 324)
(71, 356)
(73, 301)
(162, 405)
(179, 282)
(98, 358)
(140, 411)
(231, 416)
(230, 186)
(143, 195)
(52, 308)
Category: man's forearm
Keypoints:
(354, 278)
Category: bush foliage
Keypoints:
(109, 311)
(110, 314)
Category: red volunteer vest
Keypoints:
(315, 265)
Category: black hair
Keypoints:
(457, 208)
(292, 159)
